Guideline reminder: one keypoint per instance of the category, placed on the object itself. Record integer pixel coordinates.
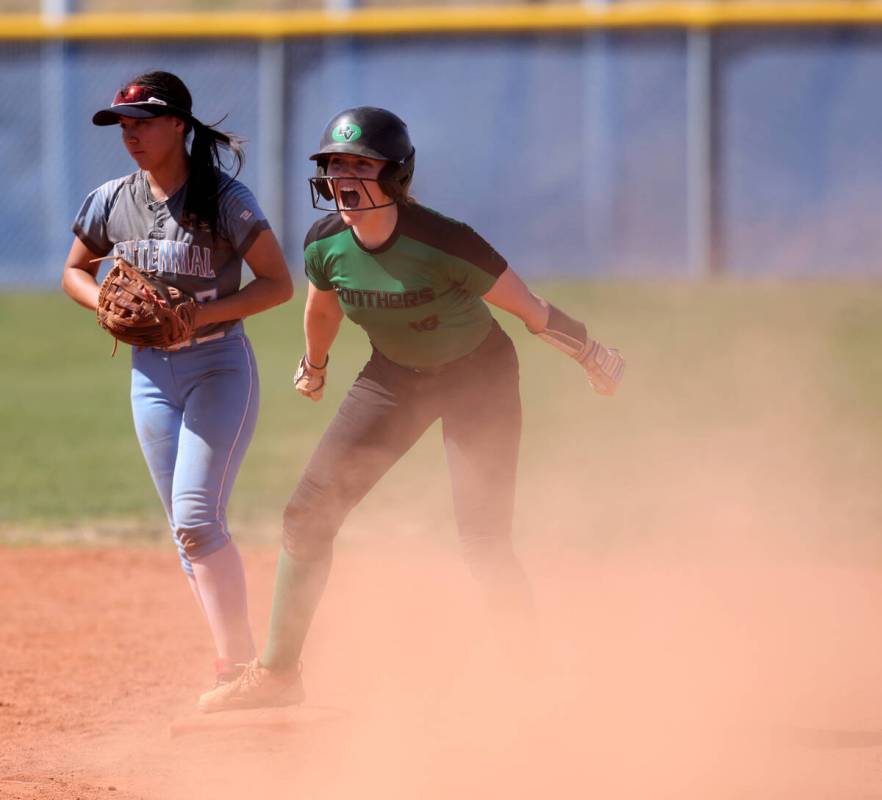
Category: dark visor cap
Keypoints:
(137, 102)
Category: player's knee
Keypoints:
(186, 564)
(312, 518)
(306, 537)
(200, 541)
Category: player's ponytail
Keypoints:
(203, 187)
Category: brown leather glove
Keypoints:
(137, 308)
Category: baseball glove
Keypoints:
(138, 309)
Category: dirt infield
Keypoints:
(703, 680)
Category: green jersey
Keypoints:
(418, 296)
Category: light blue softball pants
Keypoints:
(195, 410)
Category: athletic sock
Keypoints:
(299, 587)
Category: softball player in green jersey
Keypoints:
(419, 284)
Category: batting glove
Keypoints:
(604, 366)
(309, 380)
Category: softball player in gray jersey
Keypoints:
(194, 405)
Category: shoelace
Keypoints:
(250, 677)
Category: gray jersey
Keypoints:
(123, 217)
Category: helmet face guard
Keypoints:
(370, 133)
(342, 193)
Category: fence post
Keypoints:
(272, 107)
(600, 168)
(55, 103)
(700, 200)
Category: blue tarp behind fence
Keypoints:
(567, 152)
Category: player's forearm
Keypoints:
(257, 296)
(81, 287)
(604, 366)
(320, 330)
(80, 271)
(511, 294)
(321, 321)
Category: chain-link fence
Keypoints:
(569, 152)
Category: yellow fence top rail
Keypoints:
(443, 20)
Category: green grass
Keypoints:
(747, 408)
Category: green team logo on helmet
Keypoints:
(346, 133)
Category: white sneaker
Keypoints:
(256, 687)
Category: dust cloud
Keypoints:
(708, 584)
(722, 677)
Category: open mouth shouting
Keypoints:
(349, 198)
(353, 194)
(347, 193)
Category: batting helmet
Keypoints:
(372, 133)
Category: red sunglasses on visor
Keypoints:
(139, 102)
(136, 94)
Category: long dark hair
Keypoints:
(203, 189)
